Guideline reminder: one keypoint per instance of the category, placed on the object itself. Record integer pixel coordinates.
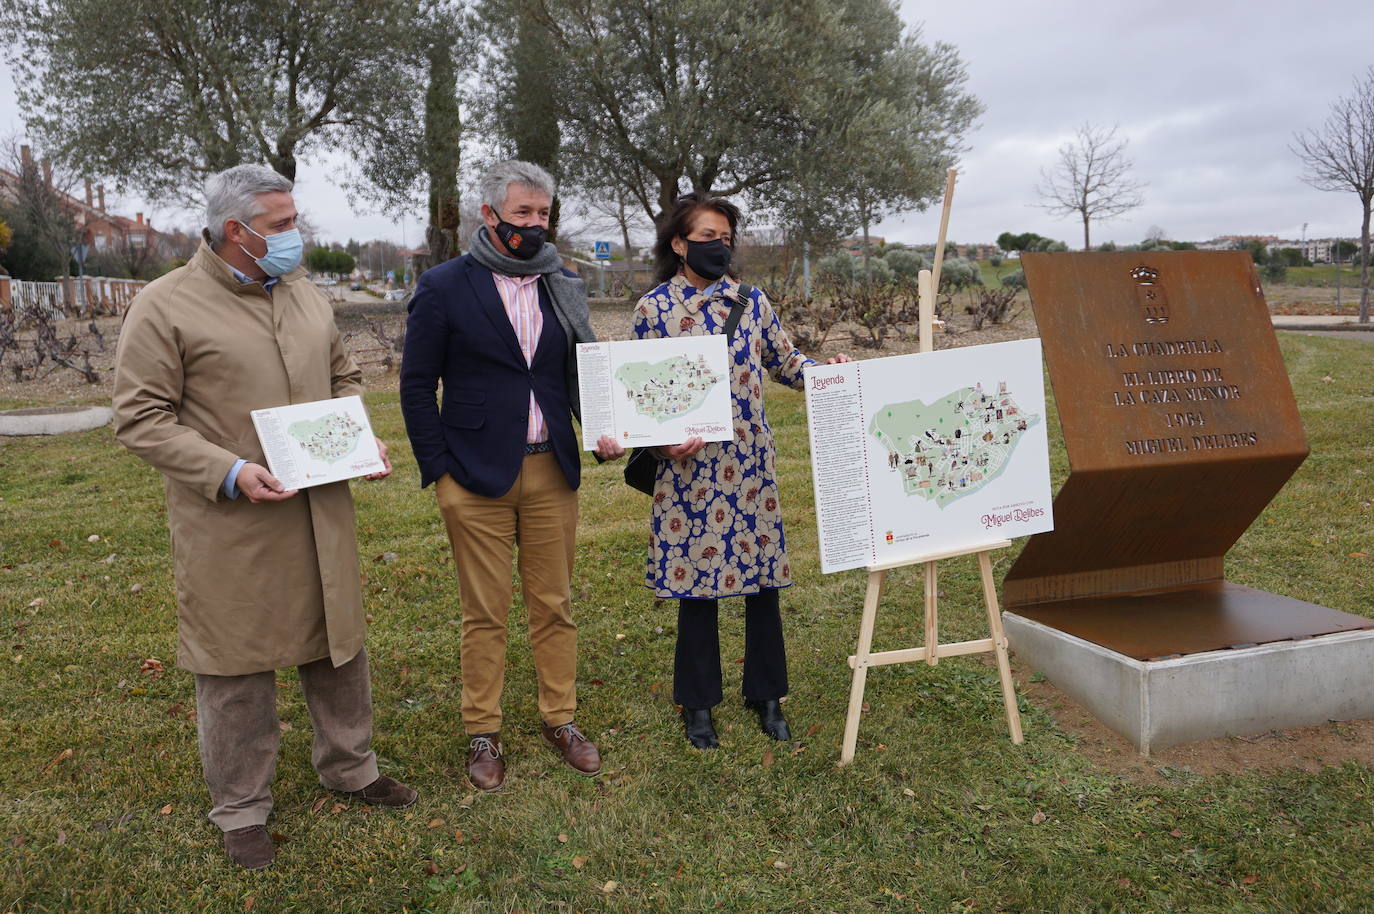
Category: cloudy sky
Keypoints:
(1208, 93)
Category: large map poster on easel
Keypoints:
(917, 454)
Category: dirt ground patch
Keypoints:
(1313, 300)
(1306, 748)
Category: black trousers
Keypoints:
(696, 664)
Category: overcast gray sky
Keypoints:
(1208, 92)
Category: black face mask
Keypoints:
(522, 241)
(708, 259)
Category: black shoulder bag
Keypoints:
(642, 468)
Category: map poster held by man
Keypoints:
(310, 444)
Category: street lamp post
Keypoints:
(1338, 275)
(79, 252)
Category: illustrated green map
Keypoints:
(953, 447)
(327, 438)
(670, 388)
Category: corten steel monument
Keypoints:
(1180, 427)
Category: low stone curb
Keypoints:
(1327, 328)
(53, 420)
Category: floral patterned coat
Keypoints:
(717, 524)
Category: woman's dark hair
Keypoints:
(678, 223)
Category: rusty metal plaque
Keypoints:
(1179, 423)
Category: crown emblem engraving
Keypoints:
(1154, 304)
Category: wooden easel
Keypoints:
(996, 642)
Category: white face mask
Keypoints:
(283, 251)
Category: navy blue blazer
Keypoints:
(458, 332)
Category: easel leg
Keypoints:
(932, 616)
(856, 688)
(999, 641)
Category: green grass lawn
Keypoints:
(1325, 275)
(103, 808)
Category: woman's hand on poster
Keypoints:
(607, 448)
(682, 451)
(835, 360)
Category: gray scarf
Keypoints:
(568, 294)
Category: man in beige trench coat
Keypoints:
(266, 577)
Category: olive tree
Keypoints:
(182, 90)
(833, 114)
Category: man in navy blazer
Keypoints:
(497, 328)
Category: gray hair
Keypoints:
(233, 194)
(502, 175)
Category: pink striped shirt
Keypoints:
(520, 295)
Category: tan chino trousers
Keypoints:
(539, 516)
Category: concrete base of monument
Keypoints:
(1240, 691)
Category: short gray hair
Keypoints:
(502, 175)
(233, 194)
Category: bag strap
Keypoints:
(737, 311)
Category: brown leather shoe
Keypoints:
(385, 791)
(579, 752)
(486, 767)
(250, 847)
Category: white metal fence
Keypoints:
(73, 297)
(38, 297)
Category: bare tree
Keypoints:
(1092, 179)
(1339, 155)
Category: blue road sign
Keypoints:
(603, 250)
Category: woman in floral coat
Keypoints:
(717, 524)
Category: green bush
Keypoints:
(958, 273)
(905, 263)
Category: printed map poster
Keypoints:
(649, 392)
(917, 454)
(310, 444)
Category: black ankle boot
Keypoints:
(701, 732)
(771, 721)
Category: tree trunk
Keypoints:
(1087, 244)
(667, 196)
(1364, 263)
(624, 220)
(284, 162)
(443, 135)
(865, 223)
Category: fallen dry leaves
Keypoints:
(64, 754)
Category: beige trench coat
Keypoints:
(259, 586)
